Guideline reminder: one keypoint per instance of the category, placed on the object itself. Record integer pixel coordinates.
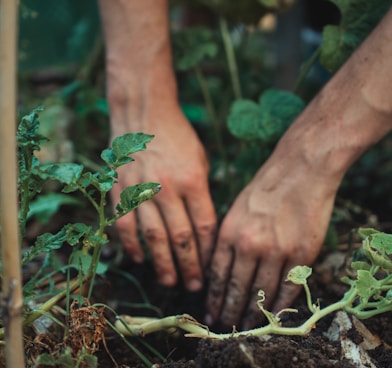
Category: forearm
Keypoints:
(352, 112)
(138, 57)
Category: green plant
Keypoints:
(369, 294)
(86, 240)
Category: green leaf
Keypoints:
(82, 262)
(108, 156)
(47, 205)
(103, 183)
(75, 232)
(81, 233)
(123, 146)
(358, 18)
(27, 134)
(44, 243)
(299, 274)
(66, 173)
(191, 46)
(131, 197)
(367, 285)
(65, 360)
(359, 265)
(267, 120)
(382, 242)
(130, 143)
(365, 232)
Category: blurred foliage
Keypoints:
(247, 11)
(358, 18)
(56, 33)
(205, 89)
(267, 120)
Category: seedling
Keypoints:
(86, 240)
(369, 294)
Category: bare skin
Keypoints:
(280, 219)
(142, 94)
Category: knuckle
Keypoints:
(154, 235)
(250, 245)
(122, 225)
(182, 238)
(205, 229)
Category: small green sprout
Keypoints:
(369, 294)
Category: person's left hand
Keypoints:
(277, 222)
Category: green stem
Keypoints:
(305, 69)
(48, 305)
(130, 326)
(230, 55)
(98, 248)
(211, 112)
(311, 307)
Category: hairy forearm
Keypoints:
(138, 56)
(350, 114)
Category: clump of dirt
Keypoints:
(276, 352)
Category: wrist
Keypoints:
(139, 100)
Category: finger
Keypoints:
(267, 279)
(183, 242)
(156, 238)
(202, 213)
(237, 291)
(127, 231)
(219, 273)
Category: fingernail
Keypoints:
(194, 285)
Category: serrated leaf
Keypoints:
(358, 18)
(365, 232)
(129, 143)
(27, 134)
(382, 242)
(191, 46)
(131, 197)
(266, 121)
(75, 232)
(299, 274)
(366, 285)
(44, 244)
(104, 183)
(66, 173)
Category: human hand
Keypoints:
(179, 222)
(277, 222)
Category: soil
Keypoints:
(316, 350)
(122, 293)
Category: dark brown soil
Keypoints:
(316, 350)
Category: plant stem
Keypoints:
(132, 327)
(311, 307)
(98, 248)
(305, 69)
(48, 305)
(230, 55)
(212, 113)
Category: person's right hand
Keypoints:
(179, 222)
